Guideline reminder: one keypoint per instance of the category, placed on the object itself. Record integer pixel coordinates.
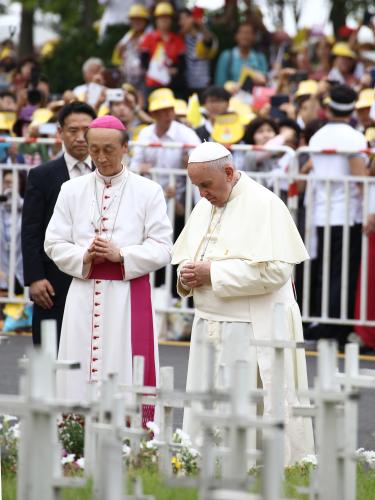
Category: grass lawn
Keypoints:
(152, 484)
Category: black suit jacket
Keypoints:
(42, 189)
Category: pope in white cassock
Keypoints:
(236, 256)
(109, 230)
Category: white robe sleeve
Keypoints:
(238, 278)
(155, 251)
(58, 243)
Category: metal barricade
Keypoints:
(282, 184)
(331, 182)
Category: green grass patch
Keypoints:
(153, 484)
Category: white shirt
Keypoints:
(72, 162)
(164, 158)
(336, 136)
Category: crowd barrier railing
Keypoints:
(283, 184)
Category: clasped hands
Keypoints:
(195, 274)
(101, 249)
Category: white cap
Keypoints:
(365, 35)
(208, 151)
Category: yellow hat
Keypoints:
(7, 120)
(161, 99)
(343, 49)
(49, 47)
(307, 87)
(40, 116)
(242, 109)
(138, 10)
(128, 87)
(370, 134)
(330, 39)
(227, 129)
(231, 86)
(366, 99)
(5, 52)
(163, 9)
(180, 107)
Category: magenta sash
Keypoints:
(142, 334)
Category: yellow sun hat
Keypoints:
(180, 107)
(161, 99)
(40, 116)
(163, 9)
(306, 87)
(343, 49)
(242, 109)
(227, 129)
(138, 10)
(7, 120)
(366, 99)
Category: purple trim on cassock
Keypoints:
(142, 334)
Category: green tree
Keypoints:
(72, 14)
(340, 9)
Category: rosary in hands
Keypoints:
(101, 249)
(195, 274)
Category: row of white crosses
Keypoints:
(40, 474)
(336, 397)
(231, 408)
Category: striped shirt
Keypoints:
(197, 69)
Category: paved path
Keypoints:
(177, 356)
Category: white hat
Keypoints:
(365, 36)
(208, 151)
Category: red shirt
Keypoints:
(174, 47)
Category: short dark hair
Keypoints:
(312, 127)
(217, 92)
(255, 124)
(74, 107)
(186, 11)
(247, 23)
(342, 94)
(290, 123)
(124, 137)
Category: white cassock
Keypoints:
(108, 317)
(252, 244)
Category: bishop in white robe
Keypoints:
(109, 230)
(236, 256)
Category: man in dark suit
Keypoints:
(48, 285)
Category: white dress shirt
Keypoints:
(164, 158)
(77, 168)
(336, 136)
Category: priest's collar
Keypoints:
(112, 179)
(238, 186)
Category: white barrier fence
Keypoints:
(283, 183)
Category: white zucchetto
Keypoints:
(208, 151)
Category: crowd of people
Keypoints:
(177, 85)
